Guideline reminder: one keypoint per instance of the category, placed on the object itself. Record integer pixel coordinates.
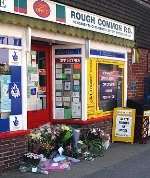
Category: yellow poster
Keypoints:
(123, 125)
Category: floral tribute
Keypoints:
(55, 147)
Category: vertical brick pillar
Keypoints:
(136, 73)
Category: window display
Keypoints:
(110, 84)
(68, 88)
(105, 86)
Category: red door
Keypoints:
(39, 96)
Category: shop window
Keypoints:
(68, 88)
(110, 86)
(105, 86)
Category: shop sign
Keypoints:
(89, 21)
(123, 125)
(70, 51)
(51, 11)
(41, 8)
(68, 60)
(104, 53)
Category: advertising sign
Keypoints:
(123, 125)
(59, 13)
(93, 22)
(14, 57)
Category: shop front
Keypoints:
(62, 65)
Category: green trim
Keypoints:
(24, 21)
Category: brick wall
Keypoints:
(11, 151)
(136, 73)
(105, 125)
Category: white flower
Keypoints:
(64, 127)
(80, 142)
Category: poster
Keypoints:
(59, 113)
(14, 57)
(76, 110)
(123, 125)
(5, 104)
(16, 122)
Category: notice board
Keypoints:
(123, 125)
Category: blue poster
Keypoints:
(15, 90)
(16, 98)
(4, 125)
(15, 73)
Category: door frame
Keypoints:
(40, 117)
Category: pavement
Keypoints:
(118, 162)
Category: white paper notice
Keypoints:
(123, 126)
(76, 82)
(75, 94)
(66, 98)
(58, 98)
(59, 113)
(67, 85)
(59, 104)
(58, 76)
(68, 71)
(59, 85)
(58, 66)
(33, 54)
(58, 93)
(76, 100)
(76, 110)
(34, 78)
(58, 71)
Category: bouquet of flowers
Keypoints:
(31, 159)
(91, 143)
(48, 138)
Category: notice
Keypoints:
(76, 110)
(123, 126)
(59, 113)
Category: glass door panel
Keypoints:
(39, 86)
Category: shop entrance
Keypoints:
(39, 86)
